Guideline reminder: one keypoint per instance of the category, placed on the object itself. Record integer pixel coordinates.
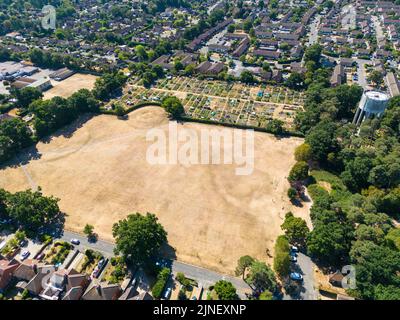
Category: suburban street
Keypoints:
(362, 77)
(203, 276)
(313, 34)
(349, 19)
(378, 29)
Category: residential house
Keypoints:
(338, 75)
(393, 84)
(102, 291)
(267, 54)
(7, 268)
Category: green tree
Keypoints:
(225, 290)
(119, 109)
(330, 240)
(376, 77)
(313, 53)
(88, 230)
(303, 152)
(393, 239)
(173, 106)
(281, 257)
(321, 139)
(243, 264)
(299, 172)
(261, 277)
(295, 81)
(139, 238)
(26, 96)
(266, 295)
(296, 229)
(31, 210)
(275, 126)
(141, 53)
(247, 77)
(292, 194)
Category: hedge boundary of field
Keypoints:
(207, 121)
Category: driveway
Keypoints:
(305, 290)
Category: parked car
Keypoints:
(40, 256)
(296, 276)
(23, 243)
(294, 249)
(24, 255)
(293, 258)
(75, 241)
(101, 263)
(167, 293)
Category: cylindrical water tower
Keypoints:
(372, 104)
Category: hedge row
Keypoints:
(240, 126)
(161, 282)
(206, 121)
(133, 108)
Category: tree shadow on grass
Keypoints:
(23, 158)
(68, 130)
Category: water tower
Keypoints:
(372, 104)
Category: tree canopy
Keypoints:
(139, 238)
(173, 106)
(225, 290)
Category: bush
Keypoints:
(299, 172)
(281, 258)
(159, 286)
(292, 193)
(182, 294)
(303, 152)
(173, 106)
(225, 290)
(185, 282)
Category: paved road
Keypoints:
(349, 17)
(313, 34)
(378, 29)
(204, 276)
(361, 72)
(306, 291)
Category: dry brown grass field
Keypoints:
(70, 85)
(98, 168)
